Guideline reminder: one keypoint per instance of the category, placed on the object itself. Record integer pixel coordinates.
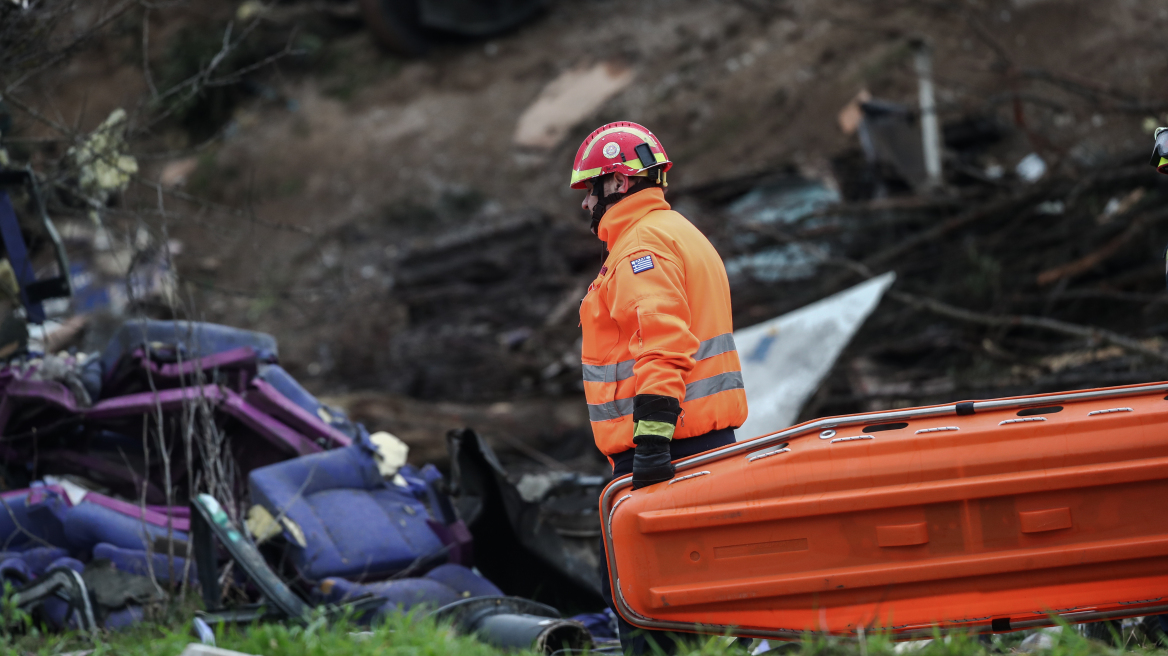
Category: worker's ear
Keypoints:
(622, 183)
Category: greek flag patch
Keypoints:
(642, 264)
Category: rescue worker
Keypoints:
(661, 374)
(1160, 150)
(1160, 161)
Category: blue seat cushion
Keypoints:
(88, 524)
(354, 525)
(14, 571)
(291, 389)
(135, 561)
(366, 534)
(443, 585)
(464, 581)
(32, 516)
(194, 339)
(38, 559)
(398, 593)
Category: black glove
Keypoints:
(654, 418)
(651, 464)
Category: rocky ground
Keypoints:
(417, 264)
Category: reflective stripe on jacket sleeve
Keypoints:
(615, 373)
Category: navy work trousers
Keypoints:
(634, 640)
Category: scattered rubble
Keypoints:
(467, 319)
(1007, 297)
(1041, 640)
(114, 448)
(197, 649)
(403, 27)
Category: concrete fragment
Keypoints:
(1118, 206)
(295, 533)
(176, 172)
(1031, 168)
(261, 525)
(850, 115)
(567, 100)
(534, 487)
(910, 646)
(197, 649)
(391, 453)
(1041, 640)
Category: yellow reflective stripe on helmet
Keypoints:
(1163, 161)
(577, 176)
(645, 136)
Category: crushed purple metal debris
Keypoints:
(113, 454)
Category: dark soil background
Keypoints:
(418, 267)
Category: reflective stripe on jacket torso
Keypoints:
(657, 320)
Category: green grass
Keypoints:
(401, 635)
(413, 635)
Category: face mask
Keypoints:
(603, 202)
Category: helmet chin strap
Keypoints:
(602, 202)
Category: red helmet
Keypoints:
(620, 147)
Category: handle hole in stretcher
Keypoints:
(876, 428)
(769, 451)
(1044, 410)
(778, 447)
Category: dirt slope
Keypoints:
(376, 162)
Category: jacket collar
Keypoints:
(627, 212)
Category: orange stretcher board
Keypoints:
(978, 516)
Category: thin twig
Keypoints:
(71, 47)
(534, 454)
(991, 209)
(1054, 325)
(146, 52)
(1097, 257)
(24, 107)
(174, 193)
(142, 504)
(19, 528)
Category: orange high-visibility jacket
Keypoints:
(657, 321)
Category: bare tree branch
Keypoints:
(72, 47)
(1043, 323)
(250, 216)
(944, 309)
(146, 52)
